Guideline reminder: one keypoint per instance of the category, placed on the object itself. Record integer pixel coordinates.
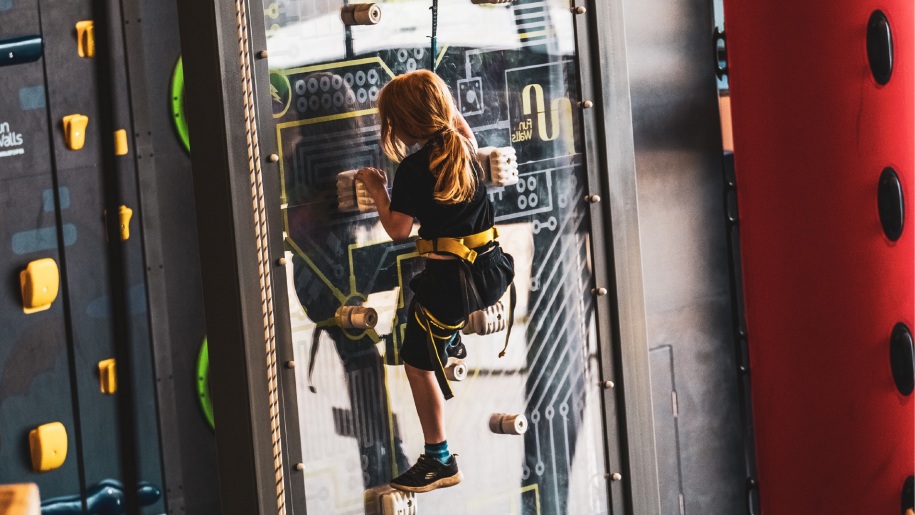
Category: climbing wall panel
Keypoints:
(514, 72)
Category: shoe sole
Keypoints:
(444, 482)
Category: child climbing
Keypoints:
(442, 187)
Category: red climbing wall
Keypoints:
(824, 285)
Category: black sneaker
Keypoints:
(456, 350)
(427, 474)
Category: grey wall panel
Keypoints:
(679, 169)
(34, 365)
(86, 268)
(174, 269)
(71, 82)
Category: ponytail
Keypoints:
(452, 165)
(419, 105)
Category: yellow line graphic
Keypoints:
(341, 64)
(440, 56)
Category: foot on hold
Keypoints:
(428, 474)
(455, 348)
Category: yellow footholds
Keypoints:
(124, 216)
(40, 282)
(108, 379)
(48, 444)
(85, 38)
(75, 130)
(125, 213)
(120, 142)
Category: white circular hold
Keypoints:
(508, 423)
(533, 200)
(325, 83)
(350, 97)
(521, 186)
(564, 409)
(362, 95)
(522, 204)
(300, 87)
(360, 78)
(348, 79)
(537, 225)
(301, 105)
(336, 81)
(456, 371)
(550, 412)
(525, 472)
(373, 93)
(411, 65)
(402, 55)
(531, 183)
(419, 53)
(535, 416)
(338, 99)
(373, 76)
(552, 223)
(540, 468)
(326, 101)
(313, 85)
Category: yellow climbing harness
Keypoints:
(460, 247)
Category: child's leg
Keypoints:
(429, 401)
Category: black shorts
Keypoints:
(438, 289)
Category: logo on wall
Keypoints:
(9, 140)
(542, 121)
(280, 93)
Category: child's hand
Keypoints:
(375, 181)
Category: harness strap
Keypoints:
(512, 298)
(460, 247)
(315, 342)
(422, 316)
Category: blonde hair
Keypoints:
(419, 105)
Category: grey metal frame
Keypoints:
(235, 329)
(618, 263)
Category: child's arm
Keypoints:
(397, 225)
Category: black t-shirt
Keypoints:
(412, 195)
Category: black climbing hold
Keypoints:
(23, 49)
(902, 358)
(891, 204)
(880, 47)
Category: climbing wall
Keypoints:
(52, 189)
(823, 132)
(514, 72)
